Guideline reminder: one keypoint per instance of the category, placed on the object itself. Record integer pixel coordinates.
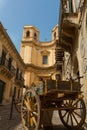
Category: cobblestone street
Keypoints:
(9, 124)
(15, 123)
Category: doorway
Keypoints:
(2, 87)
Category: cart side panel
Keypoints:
(62, 86)
(50, 84)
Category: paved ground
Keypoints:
(9, 124)
(15, 123)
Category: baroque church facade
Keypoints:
(36, 59)
(39, 57)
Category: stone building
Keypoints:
(38, 56)
(38, 60)
(12, 69)
(73, 39)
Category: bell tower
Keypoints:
(55, 33)
(30, 33)
(29, 38)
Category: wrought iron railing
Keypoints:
(19, 78)
(71, 6)
(5, 63)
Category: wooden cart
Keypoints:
(64, 96)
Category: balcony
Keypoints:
(71, 9)
(6, 68)
(19, 80)
(70, 17)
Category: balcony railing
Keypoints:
(71, 15)
(71, 6)
(5, 63)
(19, 79)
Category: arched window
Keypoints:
(28, 34)
(35, 36)
(54, 35)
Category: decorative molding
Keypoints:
(45, 52)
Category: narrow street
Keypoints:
(15, 123)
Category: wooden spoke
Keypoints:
(34, 105)
(64, 114)
(76, 102)
(67, 102)
(67, 118)
(74, 114)
(30, 110)
(74, 118)
(19, 104)
(78, 108)
(34, 121)
(35, 113)
(70, 102)
(28, 105)
(24, 110)
(77, 114)
(71, 119)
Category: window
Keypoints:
(28, 34)
(2, 88)
(35, 36)
(18, 96)
(70, 6)
(20, 75)
(3, 57)
(17, 73)
(45, 59)
(9, 63)
(55, 35)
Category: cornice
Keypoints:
(31, 26)
(2, 29)
(40, 71)
(45, 52)
(39, 44)
(39, 67)
(55, 27)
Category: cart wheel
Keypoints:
(74, 114)
(30, 110)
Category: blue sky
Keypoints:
(43, 14)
